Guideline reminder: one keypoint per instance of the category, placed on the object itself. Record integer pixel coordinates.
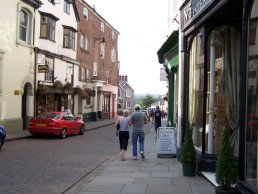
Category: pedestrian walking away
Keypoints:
(156, 118)
(123, 131)
(138, 119)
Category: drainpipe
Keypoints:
(211, 98)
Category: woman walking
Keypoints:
(123, 121)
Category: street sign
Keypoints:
(166, 142)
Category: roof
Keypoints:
(34, 3)
(170, 43)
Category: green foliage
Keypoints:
(147, 100)
(188, 151)
(226, 168)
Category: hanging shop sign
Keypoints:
(192, 10)
(43, 68)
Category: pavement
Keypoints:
(151, 175)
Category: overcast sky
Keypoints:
(143, 28)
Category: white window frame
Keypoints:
(67, 7)
(128, 93)
(84, 42)
(85, 13)
(95, 69)
(128, 104)
(50, 74)
(102, 27)
(102, 50)
(83, 74)
(113, 35)
(31, 15)
(113, 55)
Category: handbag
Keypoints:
(117, 128)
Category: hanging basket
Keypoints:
(68, 87)
(43, 88)
(58, 85)
(77, 91)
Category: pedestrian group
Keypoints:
(137, 119)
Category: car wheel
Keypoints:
(82, 130)
(63, 133)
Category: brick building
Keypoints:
(98, 56)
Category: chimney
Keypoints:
(126, 78)
(123, 77)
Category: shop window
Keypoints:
(252, 103)
(47, 27)
(252, 32)
(223, 88)
(196, 90)
(106, 103)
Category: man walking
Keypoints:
(137, 119)
(157, 118)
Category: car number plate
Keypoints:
(41, 124)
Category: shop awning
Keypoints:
(174, 62)
(170, 43)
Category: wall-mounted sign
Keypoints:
(16, 92)
(193, 9)
(43, 68)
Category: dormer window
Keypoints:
(85, 13)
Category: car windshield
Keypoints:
(49, 115)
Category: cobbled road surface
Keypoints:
(50, 165)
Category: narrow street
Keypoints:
(51, 165)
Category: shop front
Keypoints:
(211, 35)
(220, 61)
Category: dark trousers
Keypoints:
(123, 139)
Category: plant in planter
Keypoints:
(226, 168)
(188, 156)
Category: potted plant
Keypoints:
(226, 168)
(188, 156)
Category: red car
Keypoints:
(56, 123)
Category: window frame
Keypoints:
(70, 37)
(27, 28)
(67, 6)
(84, 42)
(128, 93)
(49, 76)
(50, 30)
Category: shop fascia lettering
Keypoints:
(193, 9)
